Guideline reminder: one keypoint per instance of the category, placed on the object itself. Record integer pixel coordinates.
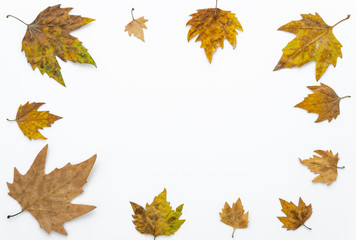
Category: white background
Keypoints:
(160, 116)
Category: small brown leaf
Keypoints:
(323, 101)
(296, 215)
(325, 166)
(135, 27)
(30, 120)
(234, 216)
(47, 196)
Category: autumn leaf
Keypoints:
(136, 27)
(158, 218)
(213, 26)
(234, 216)
(47, 196)
(325, 166)
(30, 120)
(296, 215)
(48, 36)
(323, 101)
(315, 41)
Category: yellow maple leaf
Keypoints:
(48, 36)
(30, 120)
(315, 41)
(234, 216)
(213, 26)
(47, 196)
(325, 166)
(323, 101)
(136, 27)
(158, 218)
(296, 216)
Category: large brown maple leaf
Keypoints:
(48, 36)
(47, 196)
(315, 41)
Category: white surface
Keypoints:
(160, 116)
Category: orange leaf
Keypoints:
(323, 101)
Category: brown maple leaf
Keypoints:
(48, 36)
(234, 216)
(47, 196)
(325, 166)
(213, 26)
(158, 218)
(323, 101)
(296, 216)
(315, 41)
(136, 27)
(30, 120)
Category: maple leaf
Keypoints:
(213, 26)
(325, 166)
(136, 26)
(234, 216)
(323, 101)
(158, 218)
(47, 196)
(48, 36)
(30, 120)
(315, 41)
(296, 215)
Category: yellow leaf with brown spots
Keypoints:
(315, 41)
(30, 120)
(213, 26)
(136, 27)
(296, 216)
(323, 101)
(234, 216)
(48, 196)
(325, 165)
(158, 218)
(48, 36)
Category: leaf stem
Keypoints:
(13, 120)
(233, 233)
(341, 167)
(10, 216)
(348, 16)
(216, 7)
(17, 19)
(132, 14)
(307, 226)
(345, 97)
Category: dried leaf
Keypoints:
(315, 41)
(47, 196)
(158, 218)
(48, 36)
(296, 215)
(30, 120)
(213, 26)
(325, 166)
(135, 27)
(323, 101)
(234, 216)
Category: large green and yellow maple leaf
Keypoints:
(48, 36)
(158, 218)
(315, 41)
